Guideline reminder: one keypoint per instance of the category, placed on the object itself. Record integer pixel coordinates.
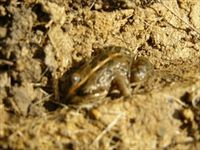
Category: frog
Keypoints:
(113, 66)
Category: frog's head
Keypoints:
(141, 69)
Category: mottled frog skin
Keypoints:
(114, 65)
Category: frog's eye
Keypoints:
(76, 78)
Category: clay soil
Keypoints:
(41, 40)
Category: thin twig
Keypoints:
(192, 27)
(93, 3)
(108, 128)
(6, 62)
(176, 99)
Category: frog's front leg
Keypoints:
(123, 84)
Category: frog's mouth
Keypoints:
(75, 88)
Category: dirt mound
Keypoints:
(42, 40)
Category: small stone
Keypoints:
(3, 32)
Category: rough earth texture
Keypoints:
(40, 40)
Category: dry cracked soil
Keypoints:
(41, 40)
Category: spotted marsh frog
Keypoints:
(114, 66)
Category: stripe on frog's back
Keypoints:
(105, 53)
(109, 52)
(93, 70)
(118, 49)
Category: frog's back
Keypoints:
(104, 66)
(106, 55)
(117, 49)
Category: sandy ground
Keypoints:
(41, 40)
